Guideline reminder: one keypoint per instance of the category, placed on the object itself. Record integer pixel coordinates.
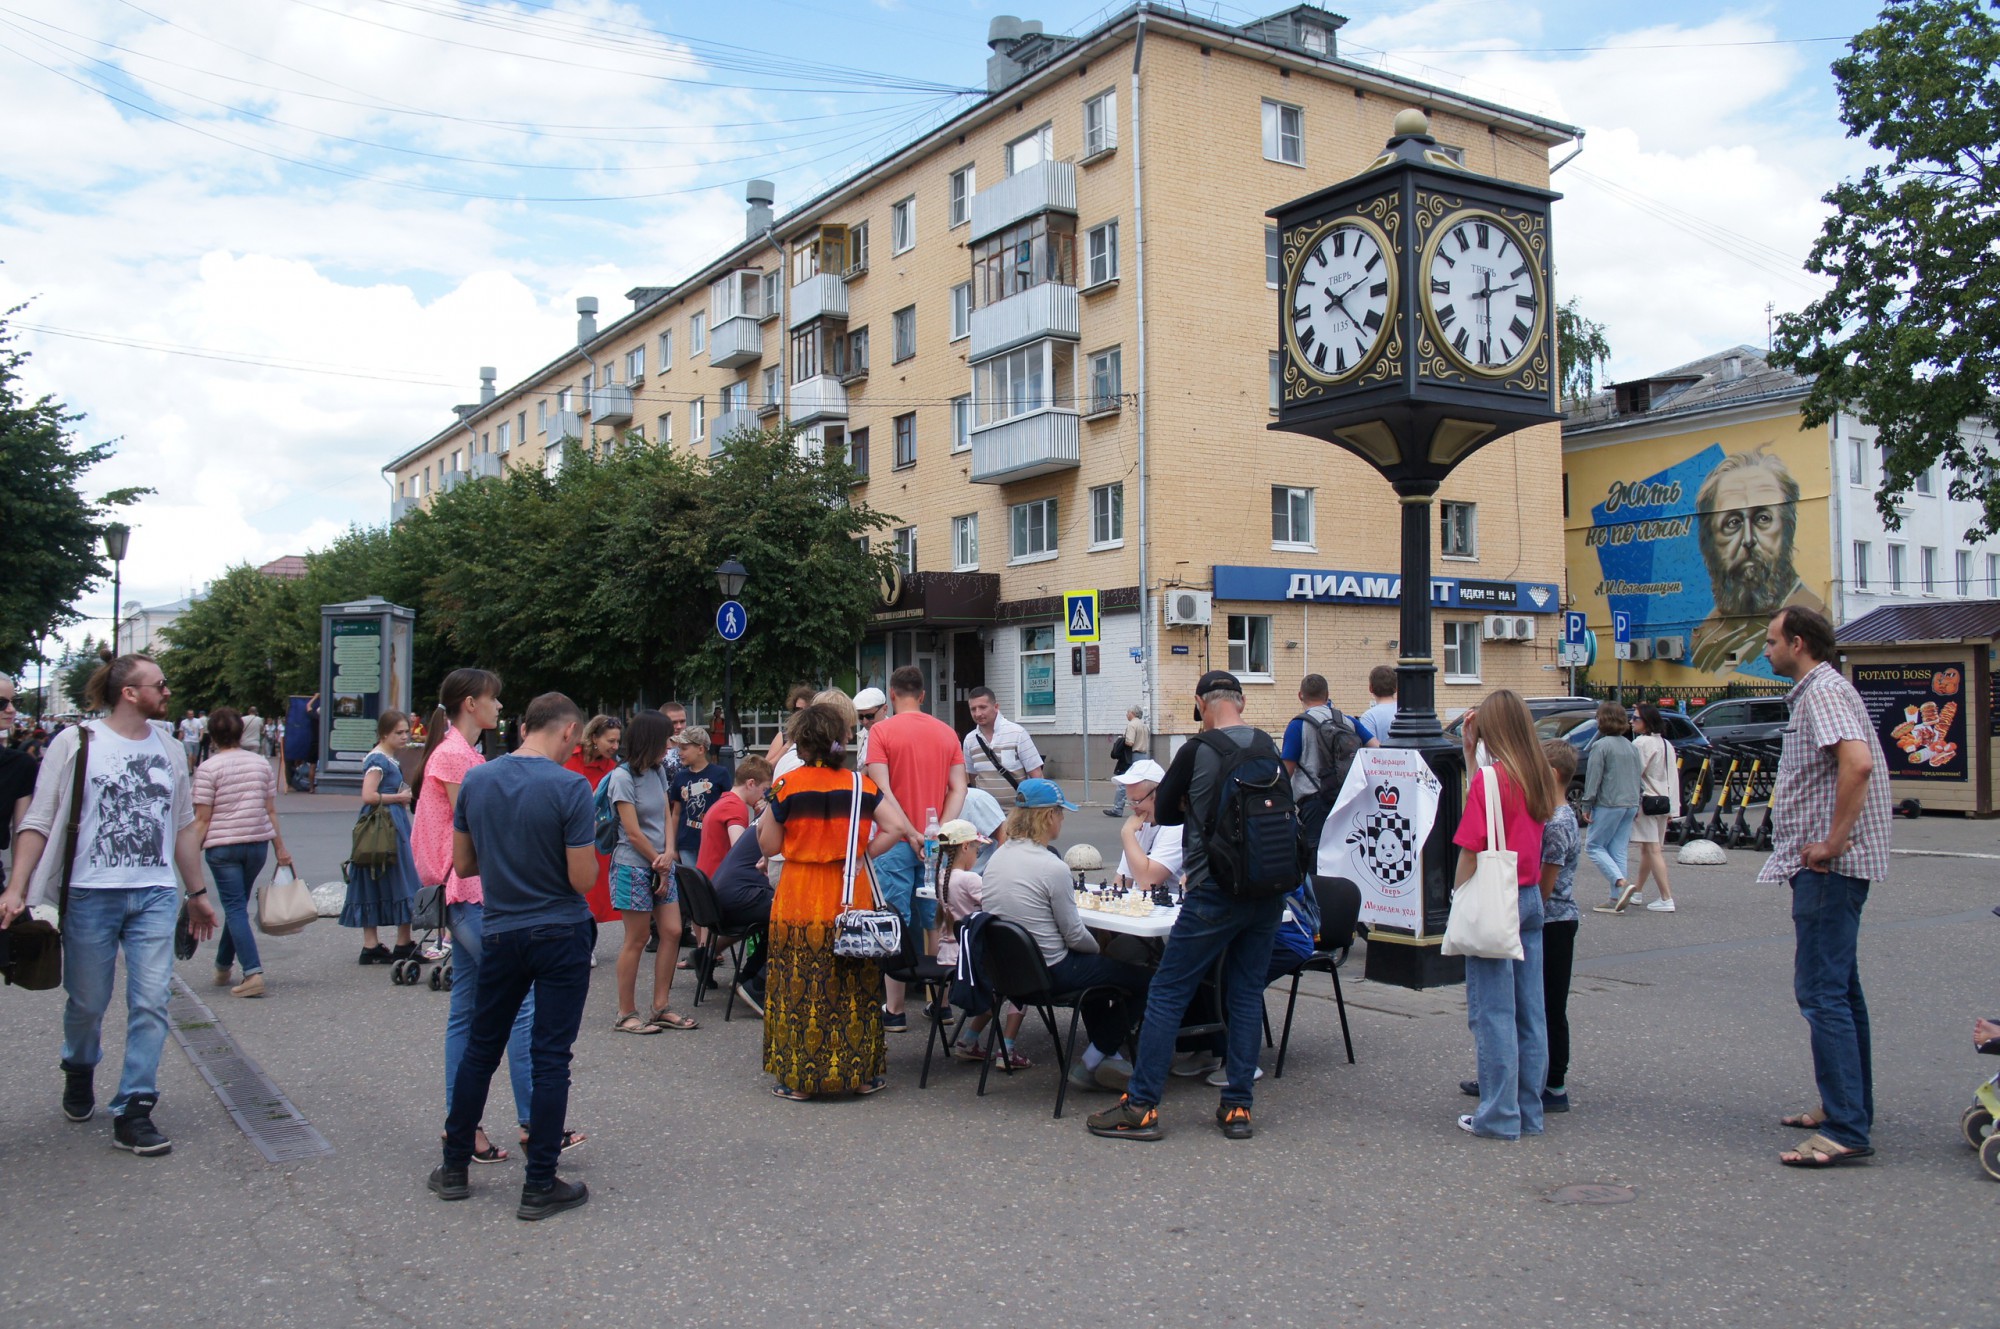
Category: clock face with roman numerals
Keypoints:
(1482, 293)
(1338, 299)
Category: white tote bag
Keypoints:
(1486, 911)
(285, 906)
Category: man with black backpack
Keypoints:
(1229, 791)
(1319, 747)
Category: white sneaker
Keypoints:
(1661, 906)
(1220, 1079)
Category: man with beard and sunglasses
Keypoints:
(1747, 521)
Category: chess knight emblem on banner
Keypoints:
(1375, 834)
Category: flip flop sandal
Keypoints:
(492, 1153)
(570, 1140)
(1804, 1121)
(789, 1095)
(632, 1024)
(668, 1020)
(1817, 1152)
(874, 1086)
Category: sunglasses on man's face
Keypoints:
(6, 703)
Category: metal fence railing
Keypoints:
(1682, 698)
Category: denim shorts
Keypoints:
(640, 889)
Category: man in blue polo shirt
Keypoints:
(524, 826)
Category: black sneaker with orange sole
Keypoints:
(1234, 1120)
(1126, 1122)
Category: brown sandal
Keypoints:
(1805, 1121)
(666, 1019)
(1817, 1151)
(632, 1024)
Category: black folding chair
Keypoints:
(923, 973)
(700, 907)
(1339, 914)
(1009, 967)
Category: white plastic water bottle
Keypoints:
(925, 889)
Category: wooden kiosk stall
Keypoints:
(1927, 675)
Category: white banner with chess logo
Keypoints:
(1375, 834)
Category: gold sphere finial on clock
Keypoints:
(1411, 122)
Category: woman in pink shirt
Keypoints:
(236, 815)
(1503, 998)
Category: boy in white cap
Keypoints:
(1152, 851)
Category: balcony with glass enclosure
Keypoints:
(1024, 286)
(819, 262)
(1024, 417)
(735, 309)
(1048, 186)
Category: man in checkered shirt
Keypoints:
(1830, 812)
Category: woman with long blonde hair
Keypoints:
(1504, 1003)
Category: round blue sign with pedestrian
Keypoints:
(731, 620)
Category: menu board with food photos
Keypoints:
(1919, 714)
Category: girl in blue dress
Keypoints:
(381, 898)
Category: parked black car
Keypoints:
(1742, 718)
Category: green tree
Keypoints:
(73, 669)
(216, 653)
(51, 536)
(1582, 350)
(1909, 336)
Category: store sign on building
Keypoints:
(1342, 587)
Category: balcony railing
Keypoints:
(821, 296)
(486, 466)
(736, 342)
(1049, 187)
(729, 424)
(400, 508)
(609, 405)
(450, 480)
(820, 398)
(564, 424)
(1025, 447)
(1048, 310)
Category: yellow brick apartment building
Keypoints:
(1046, 333)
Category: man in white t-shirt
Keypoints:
(1152, 852)
(999, 754)
(136, 828)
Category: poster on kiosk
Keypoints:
(364, 670)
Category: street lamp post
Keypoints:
(115, 537)
(729, 579)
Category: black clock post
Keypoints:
(1465, 354)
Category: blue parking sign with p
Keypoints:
(1621, 626)
(1574, 627)
(1080, 617)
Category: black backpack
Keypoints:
(1251, 834)
(1335, 741)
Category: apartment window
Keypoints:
(774, 386)
(454, 459)
(1038, 672)
(905, 325)
(856, 363)
(961, 423)
(666, 350)
(906, 440)
(903, 225)
(1276, 371)
(1107, 516)
(635, 364)
(1274, 263)
(504, 432)
(1291, 517)
(962, 187)
(1461, 652)
(565, 400)
(735, 396)
(541, 417)
(961, 311)
(1041, 249)
(1031, 149)
(1033, 378)
(1250, 645)
(1927, 566)
(1100, 124)
(1101, 246)
(1963, 567)
(857, 451)
(698, 419)
(857, 248)
(816, 349)
(1034, 530)
(1458, 533)
(1861, 553)
(589, 382)
(697, 332)
(1926, 480)
(1284, 134)
(1993, 575)
(1106, 389)
(769, 298)
(906, 549)
(1897, 554)
(1857, 461)
(965, 543)
(663, 429)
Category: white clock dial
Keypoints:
(1483, 291)
(1339, 301)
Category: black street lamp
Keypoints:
(115, 537)
(729, 579)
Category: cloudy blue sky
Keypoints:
(270, 242)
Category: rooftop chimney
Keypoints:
(1732, 367)
(487, 374)
(757, 220)
(1002, 70)
(586, 318)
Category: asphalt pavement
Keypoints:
(1358, 1202)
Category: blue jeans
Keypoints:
(468, 948)
(551, 961)
(897, 876)
(1610, 836)
(1504, 1006)
(1211, 924)
(1108, 1020)
(235, 868)
(1826, 978)
(98, 923)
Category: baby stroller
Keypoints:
(1978, 1121)
(434, 938)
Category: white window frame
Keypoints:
(665, 428)
(504, 433)
(542, 416)
(1037, 377)
(698, 419)
(1043, 138)
(903, 327)
(1460, 640)
(635, 364)
(1032, 648)
(1023, 520)
(1466, 551)
(1898, 567)
(1862, 552)
(1107, 516)
(1289, 538)
(961, 311)
(1927, 569)
(1100, 245)
(964, 183)
(697, 332)
(1277, 375)
(666, 350)
(1105, 403)
(961, 423)
(965, 543)
(770, 295)
(1274, 259)
(1925, 481)
(1962, 571)
(1857, 460)
(1249, 636)
(906, 549)
(1277, 141)
(1993, 575)
(1101, 137)
(903, 225)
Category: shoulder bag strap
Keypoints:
(75, 821)
(994, 757)
(1496, 821)
(848, 868)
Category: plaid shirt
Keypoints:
(1826, 710)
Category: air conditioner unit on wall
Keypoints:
(1642, 649)
(1669, 648)
(1189, 609)
(1497, 627)
(1524, 628)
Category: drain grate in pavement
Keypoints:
(1591, 1192)
(259, 1107)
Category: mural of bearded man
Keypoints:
(1748, 516)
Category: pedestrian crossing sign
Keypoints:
(1080, 616)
